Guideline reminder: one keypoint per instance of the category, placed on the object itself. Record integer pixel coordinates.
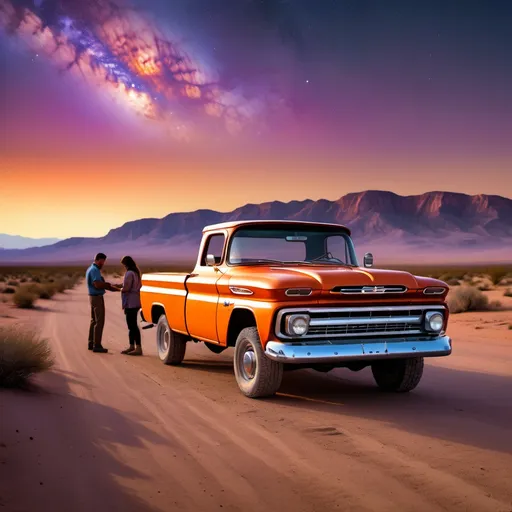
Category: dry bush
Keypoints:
(12, 282)
(24, 298)
(506, 281)
(452, 281)
(508, 293)
(468, 298)
(22, 354)
(47, 291)
(9, 290)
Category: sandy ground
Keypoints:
(110, 432)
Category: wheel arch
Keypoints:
(157, 310)
(241, 317)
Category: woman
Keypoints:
(130, 295)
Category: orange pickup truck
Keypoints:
(291, 294)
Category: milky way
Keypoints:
(125, 54)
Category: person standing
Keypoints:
(96, 286)
(130, 295)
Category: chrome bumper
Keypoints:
(335, 351)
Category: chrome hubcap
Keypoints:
(166, 341)
(249, 364)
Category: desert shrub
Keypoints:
(36, 279)
(22, 354)
(9, 290)
(467, 298)
(508, 292)
(47, 291)
(12, 282)
(61, 285)
(506, 281)
(24, 298)
(452, 281)
(23, 280)
(2, 279)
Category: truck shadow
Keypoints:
(204, 365)
(453, 405)
(461, 406)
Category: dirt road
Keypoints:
(110, 432)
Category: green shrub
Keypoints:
(22, 354)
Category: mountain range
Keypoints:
(22, 242)
(434, 227)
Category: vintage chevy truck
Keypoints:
(291, 294)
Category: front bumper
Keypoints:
(339, 352)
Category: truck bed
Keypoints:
(168, 290)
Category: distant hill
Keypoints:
(21, 242)
(431, 227)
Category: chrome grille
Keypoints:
(354, 290)
(360, 321)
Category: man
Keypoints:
(96, 287)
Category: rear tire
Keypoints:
(170, 345)
(398, 375)
(257, 375)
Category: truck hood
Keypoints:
(320, 277)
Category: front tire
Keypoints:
(398, 375)
(257, 375)
(170, 345)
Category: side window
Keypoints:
(214, 245)
(337, 246)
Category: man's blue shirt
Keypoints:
(94, 274)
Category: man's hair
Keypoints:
(100, 256)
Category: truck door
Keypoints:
(203, 296)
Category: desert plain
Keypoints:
(101, 432)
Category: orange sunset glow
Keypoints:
(110, 118)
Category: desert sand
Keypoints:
(112, 432)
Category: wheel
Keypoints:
(216, 349)
(257, 375)
(398, 375)
(171, 345)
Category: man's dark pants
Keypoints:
(97, 320)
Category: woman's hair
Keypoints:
(130, 264)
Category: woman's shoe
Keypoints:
(136, 352)
(129, 350)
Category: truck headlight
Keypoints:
(297, 325)
(434, 321)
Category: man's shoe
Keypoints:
(131, 348)
(91, 345)
(100, 350)
(136, 352)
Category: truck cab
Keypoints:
(291, 294)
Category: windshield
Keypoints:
(290, 245)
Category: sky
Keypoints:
(112, 111)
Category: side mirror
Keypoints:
(210, 260)
(368, 260)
